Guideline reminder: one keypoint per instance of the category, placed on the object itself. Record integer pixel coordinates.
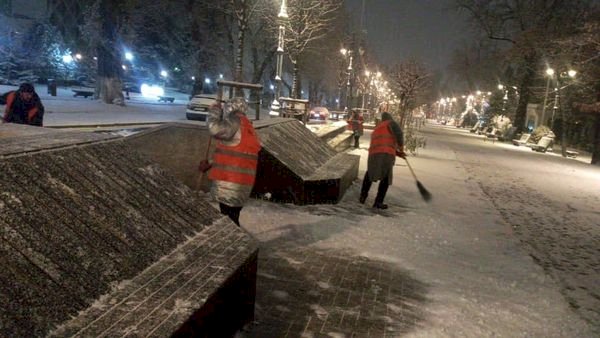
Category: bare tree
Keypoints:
(242, 13)
(526, 26)
(582, 49)
(102, 26)
(410, 81)
(309, 22)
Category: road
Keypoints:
(551, 203)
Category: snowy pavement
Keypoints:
(456, 267)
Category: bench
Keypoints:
(166, 99)
(543, 144)
(572, 153)
(83, 92)
(521, 141)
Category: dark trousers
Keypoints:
(381, 190)
(232, 212)
(356, 137)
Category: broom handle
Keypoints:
(411, 169)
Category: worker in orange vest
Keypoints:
(387, 142)
(233, 167)
(355, 123)
(24, 106)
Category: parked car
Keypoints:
(318, 115)
(337, 115)
(197, 108)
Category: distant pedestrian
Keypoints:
(355, 123)
(233, 169)
(23, 106)
(387, 142)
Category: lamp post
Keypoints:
(550, 73)
(282, 18)
(569, 74)
(366, 86)
(348, 52)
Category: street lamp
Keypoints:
(282, 18)
(128, 56)
(348, 53)
(550, 73)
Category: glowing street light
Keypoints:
(78, 56)
(572, 73)
(550, 72)
(128, 56)
(164, 73)
(67, 58)
(207, 80)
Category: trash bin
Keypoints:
(52, 87)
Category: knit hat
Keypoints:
(26, 88)
(236, 105)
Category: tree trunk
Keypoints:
(109, 86)
(198, 86)
(295, 91)
(521, 111)
(239, 55)
(596, 140)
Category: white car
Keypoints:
(197, 108)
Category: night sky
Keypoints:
(426, 29)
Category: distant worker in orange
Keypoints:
(355, 123)
(233, 169)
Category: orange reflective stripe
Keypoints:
(235, 161)
(239, 178)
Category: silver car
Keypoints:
(197, 108)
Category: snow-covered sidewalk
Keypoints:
(450, 268)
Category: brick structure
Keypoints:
(295, 165)
(95, 239)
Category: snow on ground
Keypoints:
(66, 110)
(481, 280)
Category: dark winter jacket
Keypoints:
(381, 165)
(23, 112)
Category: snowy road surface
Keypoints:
(509, 246)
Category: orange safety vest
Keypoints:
(382, 140)
(10, 99)
(237, 164)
